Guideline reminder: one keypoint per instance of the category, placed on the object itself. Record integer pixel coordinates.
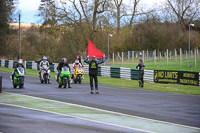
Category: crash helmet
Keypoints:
(76, 62)
(64, 60)
(44, 58)
(20, 61)
(140, 60)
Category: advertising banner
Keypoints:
(177, 77)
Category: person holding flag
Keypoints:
(93, 65)
(93, 72)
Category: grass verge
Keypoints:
(173, 88)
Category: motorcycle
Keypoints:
(64, 78)
(44, 75)
(18, 79)
(78, 75)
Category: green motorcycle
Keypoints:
(18, 79)
(64, 78)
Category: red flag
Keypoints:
(92, 51)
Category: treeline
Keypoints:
(68, 25)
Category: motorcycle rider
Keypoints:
(61, 65)
(45, 64)
(141, 72)
(76, 64)
(78, 57)
(19, 64)
(93, 72)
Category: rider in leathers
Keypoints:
(61, 65)
(44, 64)
(77, 64)
(19, 64)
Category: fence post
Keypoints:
(133, 56)
(147, 55)
(143, 55)
(154, 57)
(186, 54)
(122, 58)
(195, 58)
(128, 55)
(180, 57)
(191, 54)
(113, 58)
(160, 57)
(175, 55)
(0, 83)
(167, 56)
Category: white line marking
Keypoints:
(108, 111)
(77, 117)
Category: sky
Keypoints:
(28, 8)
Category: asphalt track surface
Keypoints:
(169, 107)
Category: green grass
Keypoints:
(174, 88)
(162, 65)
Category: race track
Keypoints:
(168, 107)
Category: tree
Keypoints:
(118, 4)
(183, 11)
(6, 14)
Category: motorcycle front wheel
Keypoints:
(45, 78)
(64, 83)
(20, 82)
(79, 79)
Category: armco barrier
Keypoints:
(6, 63)
(105, 71)
(115, 72)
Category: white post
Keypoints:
(25, 64)
(186, 54)
(143, 55)
(147, 55)
(113, 58)
(122, 58)
(167, 56)
(154, 56)
(191, 54)
(133, 56)
(195, 58)
(160, 57)
(180, 57)
(175, 54)
(128, 55)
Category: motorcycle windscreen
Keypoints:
(21, 70)
(66, 69)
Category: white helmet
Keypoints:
(64, 60)
(76, 61)
(44, 58)
(20, 61)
